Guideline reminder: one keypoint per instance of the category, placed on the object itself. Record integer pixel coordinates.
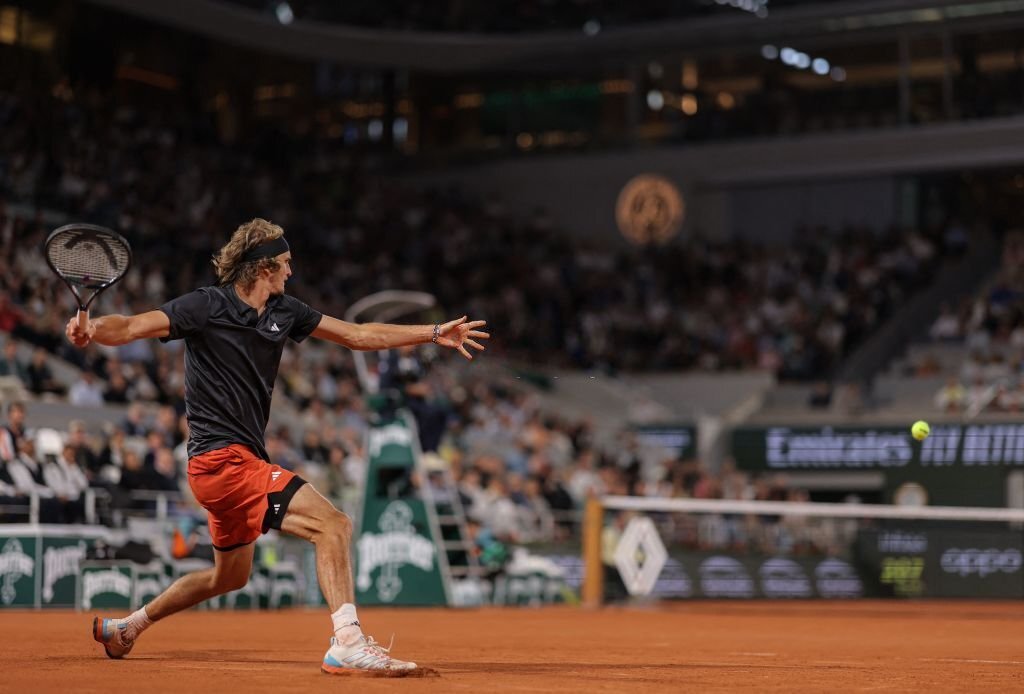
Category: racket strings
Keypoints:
(87, 260)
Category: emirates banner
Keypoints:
(878, 448)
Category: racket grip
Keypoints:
(83, 319)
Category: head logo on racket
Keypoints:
(87, 256)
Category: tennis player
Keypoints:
(234, 334)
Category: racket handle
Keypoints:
(83, 319)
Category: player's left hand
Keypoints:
(461, 332)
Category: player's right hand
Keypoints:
(76, 336)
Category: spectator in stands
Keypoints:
(537, 523)
(10, 315)
(979, 394)
(16, 423)
(40, 377)
(12, 500)
(154, 442)
(947, 325)
(86, 391)
(111, 458)
(69, 483)
(134, 423)
(117, 390)
(166, 425)
(166, 476)
(952, 397)
(78, 441)
(28, 478)
(1008, 398)
(584, 481)
(821, 396)
(10, 365)
(133, 475)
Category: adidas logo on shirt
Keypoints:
(274, 328)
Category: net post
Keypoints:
(593, 571)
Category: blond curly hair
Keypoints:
(231, 269)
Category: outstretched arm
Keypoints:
(115, 329)
(455, 334)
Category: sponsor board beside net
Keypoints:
(700, 575)
(968, 561)
(939, 562)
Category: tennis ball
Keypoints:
(920, 430)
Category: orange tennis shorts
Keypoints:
(244, 495)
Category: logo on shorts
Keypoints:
(274, 328)
(275, 475)
(277, 509)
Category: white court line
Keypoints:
(758, 655)
(972, 660)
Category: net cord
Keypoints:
(811, 508)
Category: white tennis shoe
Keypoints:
(365, 656)
(113, 634)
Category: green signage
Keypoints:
(61, 556)
(18, 578)
(150, 581)
(106, 585)
(396, 558)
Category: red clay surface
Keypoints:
(702, 646)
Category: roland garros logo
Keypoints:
(650, 209)
(14, 564)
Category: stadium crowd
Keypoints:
(166, 179)
(566, 302)
(988, 330)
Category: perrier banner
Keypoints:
(396, 555)
(39, 565)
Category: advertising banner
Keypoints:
(19, 580)
(878, 448)
(943, 563)
(61, 556)
(106, 585)
(939, 463)
(396, 559)
(687, 575)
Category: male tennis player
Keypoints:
(234, 334)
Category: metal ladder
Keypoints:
(453, 535)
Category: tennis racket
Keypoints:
(87, 257)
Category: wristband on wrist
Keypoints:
(437, 333)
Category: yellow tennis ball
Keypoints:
(920, 430)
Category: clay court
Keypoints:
(705, 647)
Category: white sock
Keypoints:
(346, 624)
(138, 622)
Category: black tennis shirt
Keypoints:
(231, 361)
